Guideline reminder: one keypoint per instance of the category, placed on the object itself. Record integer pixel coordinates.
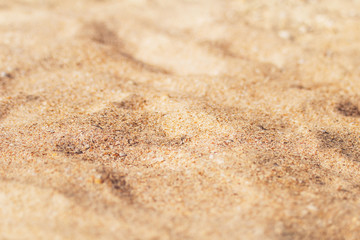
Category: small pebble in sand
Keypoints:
(5, 75)
(284, 34)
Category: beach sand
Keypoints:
(206, 119)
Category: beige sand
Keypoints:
(204, 119)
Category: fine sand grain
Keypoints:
(204, 119)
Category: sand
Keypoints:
(206, 119)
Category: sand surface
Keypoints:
(204, 119)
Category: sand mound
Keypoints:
(206, 119)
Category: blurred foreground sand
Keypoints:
(207, 119)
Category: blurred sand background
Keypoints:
(203, 119)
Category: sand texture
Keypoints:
(179, 119)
